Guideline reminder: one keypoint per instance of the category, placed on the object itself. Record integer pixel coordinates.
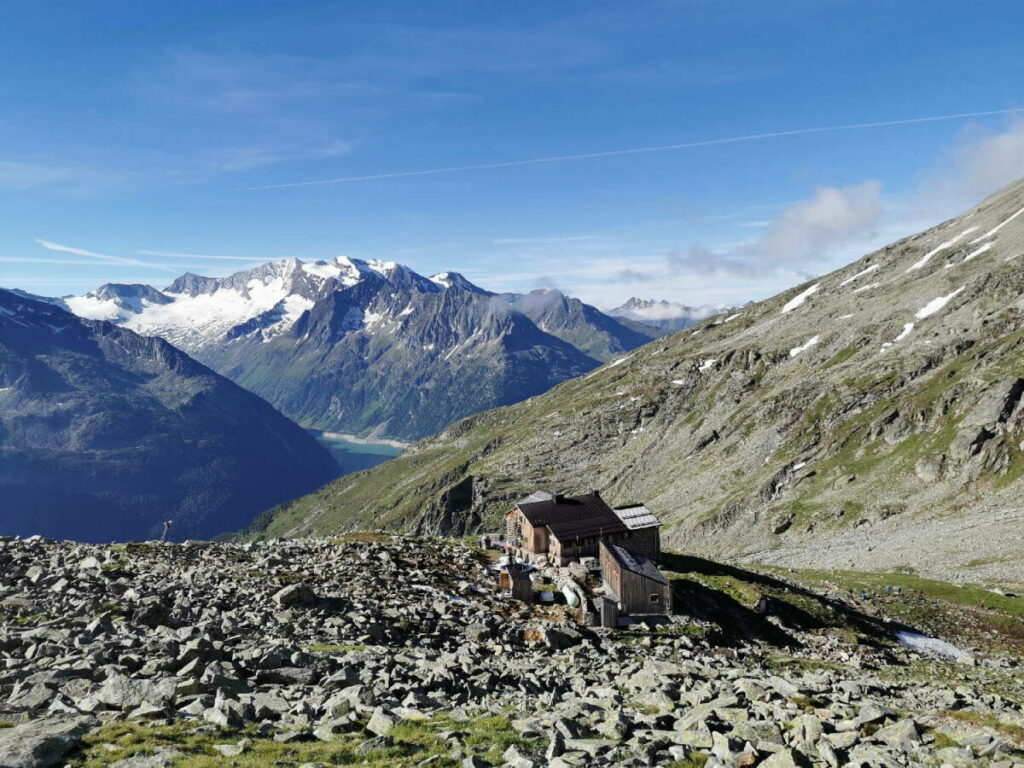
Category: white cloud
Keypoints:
(807, 231)
(198, 256)
(246, 157)
(15, 175)
(804, 234)
(544, 240)
(105, 258)
(982, 162)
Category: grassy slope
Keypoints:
(412, 743)
(757, 448)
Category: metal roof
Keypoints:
(637, 517)
(635, 563)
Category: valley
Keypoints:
(869, 418)
(370, 348)
(511, 385)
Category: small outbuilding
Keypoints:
(634, 582)
(515, 580)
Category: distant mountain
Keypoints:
(872, 417)
(667, 316)
(370, 347)
(104, 434)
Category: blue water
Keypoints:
(354, 457)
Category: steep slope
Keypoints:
(370, 347)
(875, 408)
(585, 327)
(401, 363)
(104, 434)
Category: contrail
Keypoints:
(103, 257)
(642, 150)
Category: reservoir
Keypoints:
(354, 453)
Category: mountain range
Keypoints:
(877, 409)
(667, 316)
(106, 434)
(370, 347)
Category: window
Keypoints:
(655, 598)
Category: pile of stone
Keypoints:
(318, 638)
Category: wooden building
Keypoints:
(644, 536)
(515, 580)
(634, 582)
(566, 528)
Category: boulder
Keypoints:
(42, 743)
(295, 594)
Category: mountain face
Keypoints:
(667, 316)
(878, 408)
(370, 347)
(105, 434)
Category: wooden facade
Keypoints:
(519, 530)
(634, 582)
(569, 528)
(516, 581)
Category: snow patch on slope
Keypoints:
(799, 299)
(996, 228)
(860, 274)
(937, 304)
(949, 243)
(978, 252)
(803, 347)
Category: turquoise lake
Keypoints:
(354, 457)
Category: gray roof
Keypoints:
(636, 517)
(572, 517)
(635, 563)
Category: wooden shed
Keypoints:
(634, 582)
(515, 580)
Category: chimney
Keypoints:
(596, 494)
(559, 498)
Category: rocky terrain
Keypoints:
(370, 347)
(105, 434)
(390, 651)
(873, 415)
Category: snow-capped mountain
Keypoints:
(666, 315)
(195, 311)
(369, 347)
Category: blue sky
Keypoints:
(142, 140)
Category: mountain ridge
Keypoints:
(869, 407)
(668, 316)
(105, 434)
(370, 347)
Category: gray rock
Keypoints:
(381, 723)
(42, 743)
(786, 758)
(162, 758)
(295, 594)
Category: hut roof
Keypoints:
(567, 517)
(637, 516)
(635, 563)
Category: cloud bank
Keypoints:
(801, 236)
